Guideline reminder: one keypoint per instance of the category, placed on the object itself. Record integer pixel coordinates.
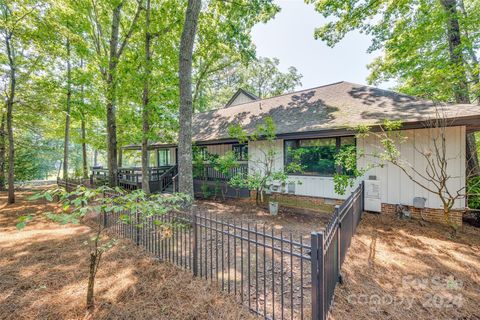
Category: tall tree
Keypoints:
(83, 129)
(429, 46)
(186, 106)
(145, 98)
(225, 42)
(67, 110)
(460, 85)
(2, 152)
(9, 34)
(109, 51)
(261, 77)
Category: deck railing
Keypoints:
(131, 178)
(211, 174)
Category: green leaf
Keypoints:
(48, 196)
(21, 225)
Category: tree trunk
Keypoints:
(3, 151)
(84, 133)
(84, 148)
(11, 151)
(91, 281)
(67, 115)
(111, 97)
(146, 97)
(475, 67)
(186, 111)
(10, 101)
(460, 86)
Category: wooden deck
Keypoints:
(160, 178)
(163, 179)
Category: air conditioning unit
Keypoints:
(373, 200)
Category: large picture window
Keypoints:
(316, 156)
(240, 151)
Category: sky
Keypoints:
(289, 37)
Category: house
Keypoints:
(321, 121)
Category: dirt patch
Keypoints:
(300, 222)
(403, 270)
(44, 271)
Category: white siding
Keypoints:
(256, 154)
(314, 186)
(396, 186)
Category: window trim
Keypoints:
(338, 145)
(167, 154)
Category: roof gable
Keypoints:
(240, 97)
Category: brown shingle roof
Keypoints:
(334, 106)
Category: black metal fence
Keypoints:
(275, 274)
(329, 249)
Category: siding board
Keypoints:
(396, 187)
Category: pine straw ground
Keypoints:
(393, 270)
(409, 270)
(44, 270)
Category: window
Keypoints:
(240, 151)
(163, 157)
(316, 156)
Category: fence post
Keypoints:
(137, 227)
(104, 213)
(363, 197)
(339, 244)
(195, 240)
(321, 274)
(104, 219)
(318, 276)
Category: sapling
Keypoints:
(262, 172)
(93, 206)
(433, 176)
(224, 164)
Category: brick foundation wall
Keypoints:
(304, 202)
(429, 214)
